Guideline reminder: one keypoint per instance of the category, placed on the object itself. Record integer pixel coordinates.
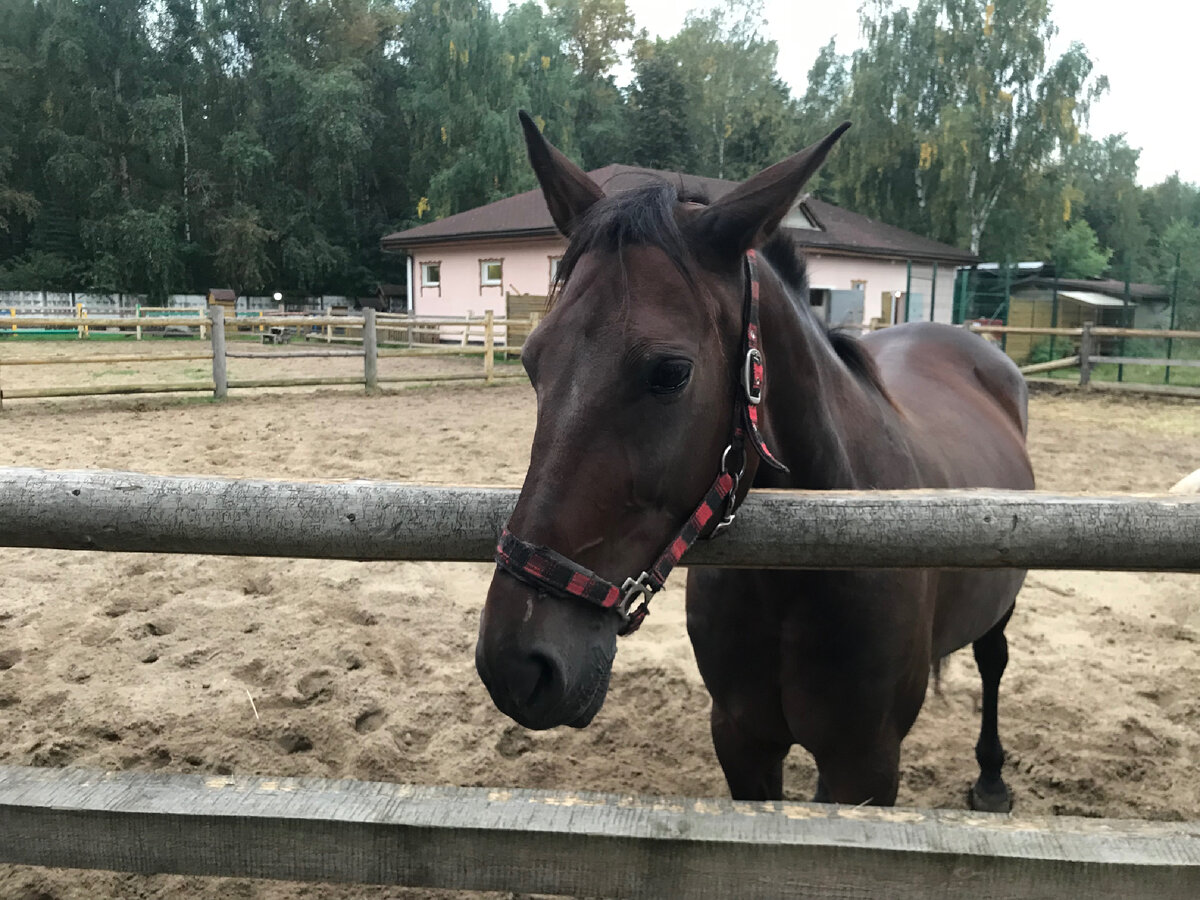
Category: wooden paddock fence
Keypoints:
(1089, 355)
(569, 843)
(367, 329)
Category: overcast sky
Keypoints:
(1147, 48)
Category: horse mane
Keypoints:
(785, 258)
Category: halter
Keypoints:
(552, 572)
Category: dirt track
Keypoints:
(366, 670)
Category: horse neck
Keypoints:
(817, 412)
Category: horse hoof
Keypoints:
(988, 801)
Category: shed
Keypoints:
(225, 297)
(392, 297)
(1030, 294)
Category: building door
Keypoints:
(845, 308)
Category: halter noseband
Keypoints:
(550, 571)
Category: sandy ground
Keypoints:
(148, 662)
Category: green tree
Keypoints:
(593, 29)
(1077, 252)
(1178, 269)
(734, 94)
(660, 133)
(1104, 175)
(958, 113)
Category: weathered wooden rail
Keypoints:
(580, 844)
(132, 512)
(217, 324)
(1089, 355)
(585, 845)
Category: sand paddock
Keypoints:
(145, 662)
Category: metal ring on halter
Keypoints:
(725, 462)
(753, 391)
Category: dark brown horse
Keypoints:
(646, 371)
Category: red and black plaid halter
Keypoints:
(550, 571)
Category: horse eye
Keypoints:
(670, 376)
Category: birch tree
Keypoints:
(960, 98)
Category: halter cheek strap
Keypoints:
(550, 571)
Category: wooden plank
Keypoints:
(220, 372)
(102, 321)
(1104, 331)
(298, 381)
(98, 390)
(370, 352)
(1023, 329)
(579, 844)
(1140, 361)
(489, 356)
(1067, 362)
(292, 354)
(130, 512)
(99, 359)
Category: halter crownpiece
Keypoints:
(550, 571)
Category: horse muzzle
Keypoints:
(544, 661)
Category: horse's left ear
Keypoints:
(568, 190)
(747, 215)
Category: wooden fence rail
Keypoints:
(218, 324)
(584, 845)
(580, 844)
(131, 512)
(1089, 356)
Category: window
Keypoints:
(555, 261)
(858, 285)
(431, 274)
(799, 217)
(491, 272)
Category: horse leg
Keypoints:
(753, 768)
(990, 793)
(869, 776)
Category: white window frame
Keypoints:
(555, 262)
(425, 280)
(484, 281)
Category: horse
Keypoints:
(679, 366)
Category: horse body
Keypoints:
(838, 661)
(633, 369)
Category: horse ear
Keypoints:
(747, 215)
(567, 189)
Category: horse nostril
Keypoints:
(538, 682)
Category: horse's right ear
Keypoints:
(750, 213)
(568, 191)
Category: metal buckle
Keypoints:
(630, 591)
(753, 397)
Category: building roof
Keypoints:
(219, 294)
(526, 216)
(1091, 298)
(1041, 275)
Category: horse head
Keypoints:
(636, 367)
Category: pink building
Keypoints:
(858, 268)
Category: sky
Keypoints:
(1147, 49)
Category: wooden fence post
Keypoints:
(1087, 349)
(489, 344)
(466, 335)
(216, 315)
(370, 351)
(137, 315)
